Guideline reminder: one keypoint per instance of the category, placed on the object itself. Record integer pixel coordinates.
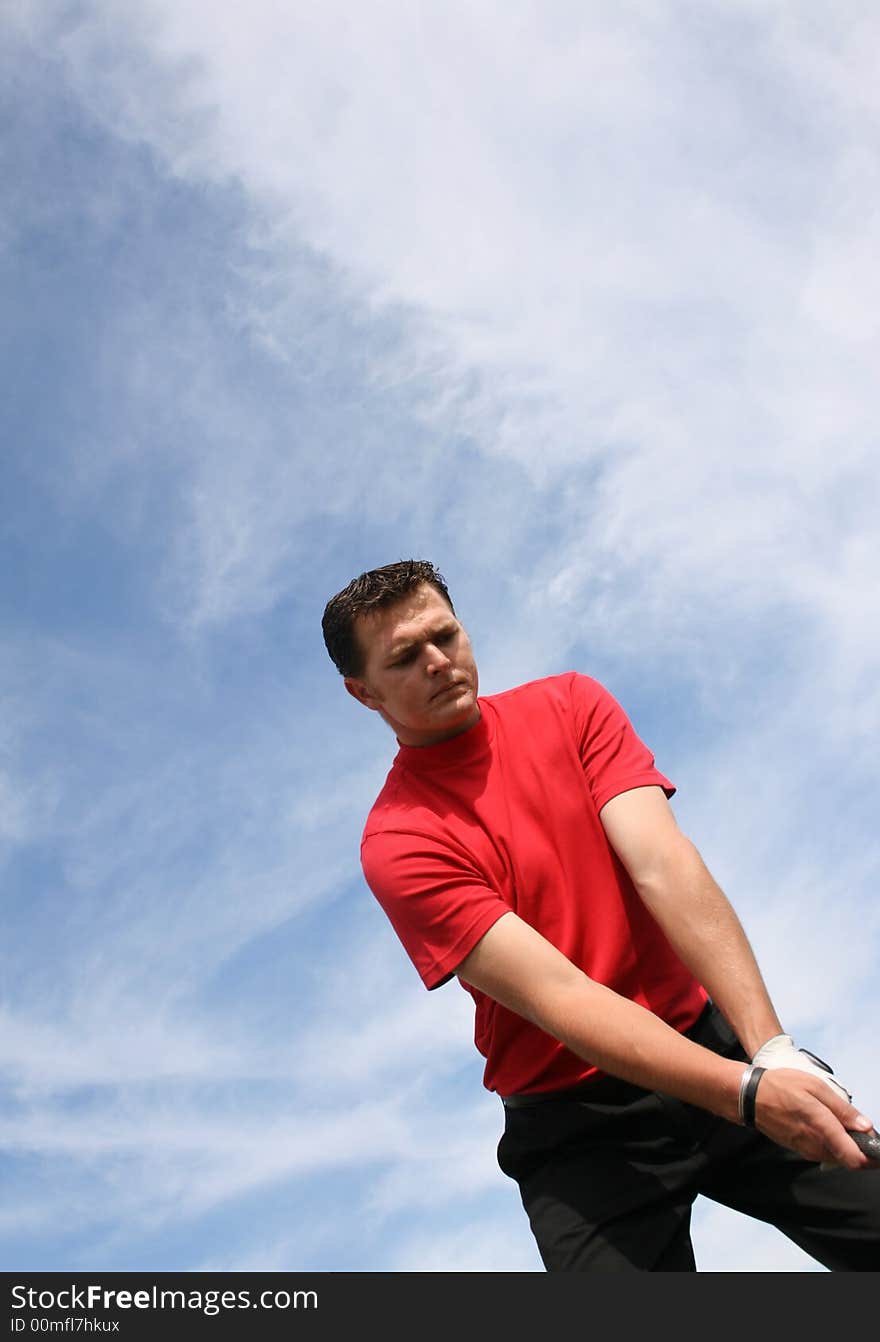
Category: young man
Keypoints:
(524, 843)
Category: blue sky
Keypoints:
(578, 301)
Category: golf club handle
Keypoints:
(867, 1142)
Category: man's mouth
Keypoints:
(453, 685)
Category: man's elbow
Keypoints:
(667, 867)
(515, 966)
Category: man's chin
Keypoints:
(444, 725)
(459, 711)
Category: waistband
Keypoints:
(611, 1087)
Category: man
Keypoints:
(524, 843)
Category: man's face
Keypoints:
(419, 671)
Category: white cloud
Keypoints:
(652, 313)
(596, 274)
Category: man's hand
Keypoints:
(796, 1109)
(780, 1051)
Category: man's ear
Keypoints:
(358, 690)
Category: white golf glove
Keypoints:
(780, 1051)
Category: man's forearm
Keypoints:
(676, 886)
(705, 931)
(628, 1041)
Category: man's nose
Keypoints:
(437, 659)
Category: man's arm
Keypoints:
(677, 887)
(699, 921)
(516, 966)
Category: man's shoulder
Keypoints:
(386, 798)
(400, 807)
(558, 689)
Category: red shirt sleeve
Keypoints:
(614, 759)
(436, 899)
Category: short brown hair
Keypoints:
(371, 591)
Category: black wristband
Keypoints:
(748, 1088)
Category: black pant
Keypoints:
(608, 1176)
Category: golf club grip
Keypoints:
(868, 1142)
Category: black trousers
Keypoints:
(608, 1175)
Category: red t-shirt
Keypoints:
(506, 816)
